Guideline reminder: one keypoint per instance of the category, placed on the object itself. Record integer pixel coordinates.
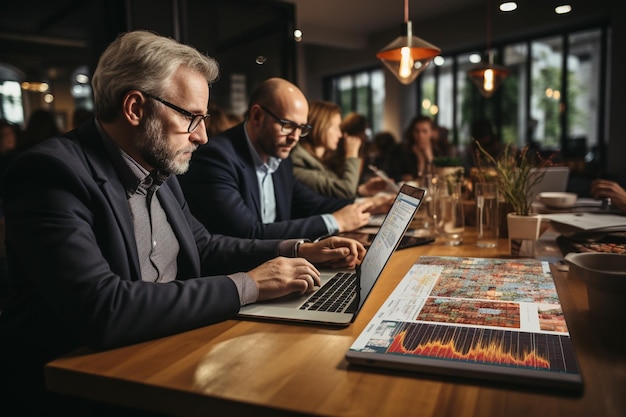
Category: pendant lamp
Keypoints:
(488, 77)
(407, 56)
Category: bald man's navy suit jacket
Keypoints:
(222, 189)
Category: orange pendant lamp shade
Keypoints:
(407, 56)
(488, 77)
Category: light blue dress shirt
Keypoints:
(264, 173)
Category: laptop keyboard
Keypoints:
(335, 296)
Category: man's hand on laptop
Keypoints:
(334, 252)
(281, 276)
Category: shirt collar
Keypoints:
(272, 163)
(134, 177)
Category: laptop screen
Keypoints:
(387, 239)
(554, 179)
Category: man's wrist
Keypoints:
(297, 245)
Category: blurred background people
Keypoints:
(9, 134)
(378, 149)
(410, 159)
(8, 137)
(440, 143)
(219, 121)
(8, 143)
(354, 125)
(601, 188)
(80, 116)
(312, 155)
(482, 132)
(41, 125)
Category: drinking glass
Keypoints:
(450, 219)
(424, 220)
(486, 214)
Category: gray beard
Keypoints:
(154, 148)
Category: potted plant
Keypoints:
(517, 174)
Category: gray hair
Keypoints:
(143, 61)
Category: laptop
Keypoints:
(342, 293)
(554, 179)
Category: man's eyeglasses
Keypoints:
(287, 126)
(195, 119)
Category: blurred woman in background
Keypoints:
(413, 157)
(312, 155)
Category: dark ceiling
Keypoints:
(46, 38)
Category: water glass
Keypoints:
(486, 214)
(424, 220)
(450, 219)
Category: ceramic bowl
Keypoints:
(558, 199)
(605, 276)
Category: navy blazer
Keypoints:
(222, 189)
(73, 264)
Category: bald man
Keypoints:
(241, 183)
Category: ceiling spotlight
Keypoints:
(297, 35)
(82, 78)
(475, 58)
(508, 6)
(563, 9)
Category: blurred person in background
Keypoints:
(219, 121)
(319, 163)
(603, 188)
(440, 142)
(80, 116)
(41, 125)
(353, 126)
(377, 152)
(481, 131)
(8, 143)
(410, 159)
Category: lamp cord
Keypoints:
(406, 11)
(489, 30)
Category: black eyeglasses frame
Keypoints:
(288, 126)
(195, 119)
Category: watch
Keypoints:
(296, 247)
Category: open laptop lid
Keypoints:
(391, 232)
(554, 179)
(395, 224)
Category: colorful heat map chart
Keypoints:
(499, 318)
(475, 345)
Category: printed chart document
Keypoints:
(495, 319)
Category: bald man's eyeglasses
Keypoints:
(194, 119)
(287, 126)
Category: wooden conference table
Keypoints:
(249, 368)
